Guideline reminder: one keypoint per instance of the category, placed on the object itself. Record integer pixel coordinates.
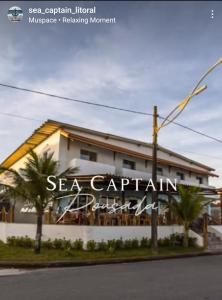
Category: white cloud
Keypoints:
(127, 66)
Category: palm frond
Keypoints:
(30, 183)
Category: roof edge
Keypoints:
(26, 146)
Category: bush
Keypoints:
(47, 244)
(69, 252)
(62, 244)
(66, 244)
(176, 239)
(24, 242)
(128, 244)
(145, 242)
(102, 246)
(119, 244)
(160, 242)
(11, 241)
(91, 245)
(111, 250)
(111, 244)
(192, 242)
(77, 244)
(165, 242)
(135, 244)
(58, 244)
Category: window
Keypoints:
(180, 175)
(114, 155)
(128, 164)
(200, 179)
(159, 171)
(68, 143)
(88, 155)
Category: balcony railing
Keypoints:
(92, 168)
(136, 174)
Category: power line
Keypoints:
(105, 106)
(38, 120)
(196, 153)
(196, 131)
(75, 100)
(19, 117)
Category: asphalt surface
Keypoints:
(187, 278)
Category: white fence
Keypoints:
(86, 233)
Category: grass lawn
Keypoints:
(10, 253)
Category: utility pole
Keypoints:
(205, 230)
(220, 193)
(154, 216)
(169, 119)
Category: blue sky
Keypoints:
(153, 55)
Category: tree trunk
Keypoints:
(186, 236)
(12, 213)
(38, 233)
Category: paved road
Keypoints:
(179, 279)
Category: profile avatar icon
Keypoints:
(15, 14)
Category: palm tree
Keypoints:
(188, 208)
(29, 184)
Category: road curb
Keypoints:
(62, 264)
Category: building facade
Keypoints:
(109, 156)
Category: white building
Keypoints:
(98, 153)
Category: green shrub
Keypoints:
(91, 245)
(62, 244)
(11, 241)
(111, 244)
(47, 244)
(58, 244)
(165, 242)
(24, 242)
(111, 250)
(176, 239)
(192, 242)
(66, 244)
(128, 244)
(145, 242)
(119, 244)
(102, 246)
(69, 252)
(77, 244)
(160, 242)
(135, 244)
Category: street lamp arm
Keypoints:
(180, 107)
(184, 103)
(206, 74)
